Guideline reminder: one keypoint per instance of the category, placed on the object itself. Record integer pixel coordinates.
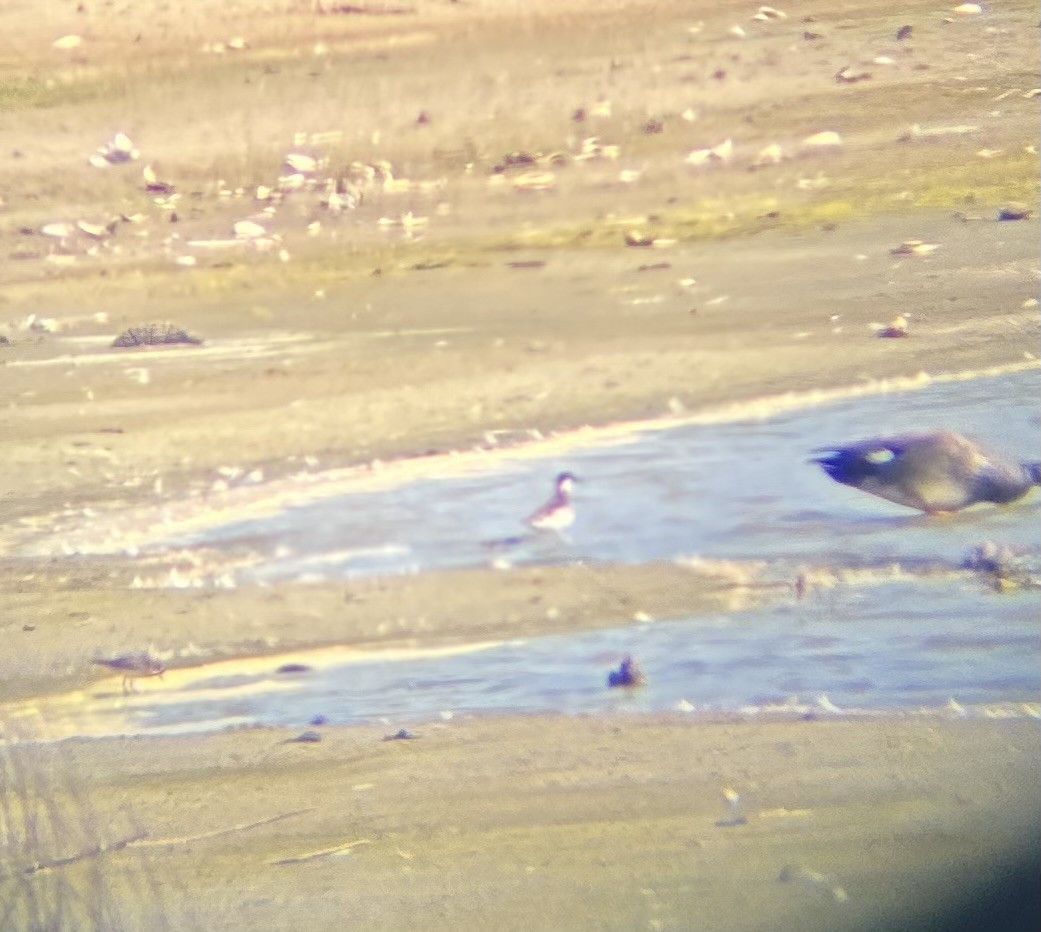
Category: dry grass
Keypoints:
(57, 847)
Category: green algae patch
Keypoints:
(27, 92)
(978, 185)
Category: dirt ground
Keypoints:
(527, 246)
(542, 822)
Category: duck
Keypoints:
(557, 513)
(936, 472)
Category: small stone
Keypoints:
(154, 335)
(288, 668)
(1014, 211)
(896, 329)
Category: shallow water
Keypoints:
(854, 648)
(739, 489)
(735, 490)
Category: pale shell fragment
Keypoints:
(768, 155)
(247, 229)
(96, 230)
(302, 164)
(968, 9)
(57, 230)
(42, 324)
(67, 42)
(120, 149)
(917, 131)
(897, 327)
(718, 153)
(914, 247)
(534, 181)
(823, 140)
(121, 143)
(848, 75)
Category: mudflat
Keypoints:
(409, 232)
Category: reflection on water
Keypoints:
(734, 490)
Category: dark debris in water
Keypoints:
(1008, 568)
(402, 734)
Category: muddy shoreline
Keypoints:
(482, 292)
(613, 821)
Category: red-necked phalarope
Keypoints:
(133, 665)
(935, 472)
(558, 512)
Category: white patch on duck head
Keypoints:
(880, 456)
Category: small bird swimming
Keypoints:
(933, 472)
(133, 665)
(628, 674)
(558, 513)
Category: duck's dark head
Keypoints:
(853, 465)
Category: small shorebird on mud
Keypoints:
(934, 472)
(133, 665)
